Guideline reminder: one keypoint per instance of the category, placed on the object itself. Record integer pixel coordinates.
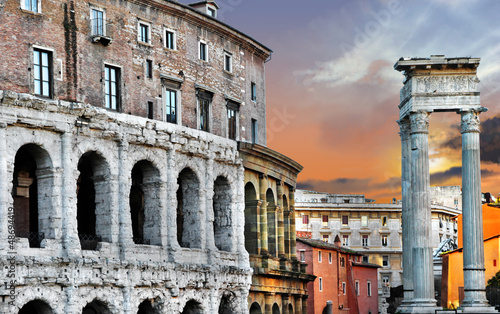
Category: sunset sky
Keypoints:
(333, 95)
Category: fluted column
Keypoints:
(407, 212)
(423, 278)
(264, 249)
(474, 279)
(293, 238)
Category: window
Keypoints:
(112, 87)
(254, 91)
(356, 287)
(385, 260)
(144, 33)
(384, 240)
(385, 281)
(343, 288)
(97, 23)
(347, 201)
(150, 110)
(325, 220)
(320, 284)
(305, 219)
(204, 100)
(326, 237)
(345, 240)
(254, 131)
(31, 5)
(149, 68)
(364, 240)
(203, 51)
(319, 256)
(232, 119)
(330, 257)
(171, 106)
(211, 12)
(345, 220)
(228, 62)
(42, 72)
(364, 221)
(169, 39)
(384, 221)
(369, 288)
(342, 261)
(302, 255)
(365, 259)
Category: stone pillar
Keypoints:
(125, 223)
(281, 223)
(406, 210)
(474, 278)
(286, 227)
(284, 304)
(423, 278)
(293, 238)
(298, 304)
(268, 307)
(252, 225)
(6, 208)
(304, 304)
(264, 250)
(210, 214)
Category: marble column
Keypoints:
(423, 278)
(264, 249)
(407, 219)
(474, 278)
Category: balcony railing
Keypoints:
(141, 241)
(101, 31)
(34, 238)
(89, 241)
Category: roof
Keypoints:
(324, 245)
(363, 264)
(204, 2)
(460, 249)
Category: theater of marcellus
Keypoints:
(134, 172)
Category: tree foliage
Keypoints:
(495, 280)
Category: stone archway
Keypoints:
(96, 307)
(255, 308)
(188, 204)
(36, 307)
(223, 220)
(192, 307)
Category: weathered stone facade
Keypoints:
(121, 184)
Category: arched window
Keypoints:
(93, 204)
(32, 192)
(222, 204)
(146, 307)
(188, 200)
(276, 309)
(192, 307)
(144, 203)
(271, 223)
(287, 217)
(228, 304)
(96, 307)
(255, 308)
(36, 307)
(251, 219)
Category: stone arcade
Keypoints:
(439, 84)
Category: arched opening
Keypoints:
(144, 203)
(96, 307)
(252, 211)
(255, 308)
(32, 191)
(36, 307)
(228, 304)
(276, 309)
(188, 200)
(222, 214)
(146, 307)
(286, 217)
(272, 222)
(192, 307)
(93, 204)
(290, 309)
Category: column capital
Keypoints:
(470, 122)
(404, 127)
(419, 122)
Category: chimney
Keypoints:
(337, 241)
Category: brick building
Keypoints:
(344, 284)
(121, 184)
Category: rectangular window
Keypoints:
(144, 33)
(343, 288)
(254, 91)
(171, 106)
(356, 287)
(203, 51)
(232, 118)
(384, 221)
(204, 100)
(342, 261)
(305, 219)
(325, 220)
(347, 201)
(254, 131)
(169, 39)
(384, 240)
(345, 240)
(326, 237)
(97, 23)
(211, 12)
(330, 257)
(302, 256)
(385, 260)
(364, 221)
(112, 87)
(385, 281)
(228, 62)
(365, 259)
(149, 68)
(364, 240)
(150, 110)
(345, 220)
(30, 5)
(369, 288)
(320, 284)
(319, 256)
(42, 72)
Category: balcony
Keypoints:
(101, 32)
(34, 238)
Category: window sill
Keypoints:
(228, 72)
(145, 44)
(31, 12)
(170, 50)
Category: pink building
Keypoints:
(343, 282)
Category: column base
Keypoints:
(478, 309)
(415, 308)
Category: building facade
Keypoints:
(121, 185)
(370, 228)
(344, 284)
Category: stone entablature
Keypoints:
(120, 272)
